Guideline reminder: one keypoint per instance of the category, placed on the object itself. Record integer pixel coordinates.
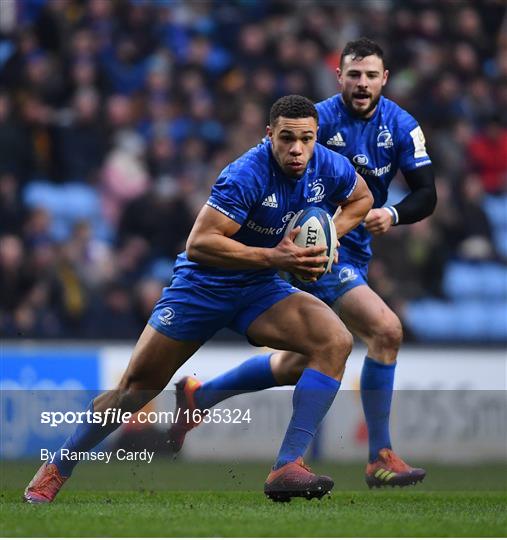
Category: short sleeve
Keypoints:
(412, 146)
(233, 195)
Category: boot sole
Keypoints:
(285, 495)
(400, 481)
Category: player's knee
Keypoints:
(331, 356)
(389, 334)
(344, 343)
(338, 347)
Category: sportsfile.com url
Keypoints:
(117, 416)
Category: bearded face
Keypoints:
(362, 80)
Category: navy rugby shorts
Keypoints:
(189, 312)
(343, 277)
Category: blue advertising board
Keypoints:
(38, 379)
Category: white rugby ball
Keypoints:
(317, 229)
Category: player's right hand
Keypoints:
(308, 262)
(378, 221)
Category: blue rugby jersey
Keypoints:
(377, 147)
(255, 193)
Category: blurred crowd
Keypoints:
(117, 115)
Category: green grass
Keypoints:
(390, 513)
(223, 507)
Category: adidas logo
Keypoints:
(270, 201)
(336, 140)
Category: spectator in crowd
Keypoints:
(16, 278)
(160, 217)
(79, 145)
(124, 175)
(11, 206)
(475, 234)
(113, 316)
(16, 152)
(488, 155)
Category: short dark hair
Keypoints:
(292, 106)
(360, 48)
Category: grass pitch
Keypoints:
(228, 501)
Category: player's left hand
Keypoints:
(378, 221)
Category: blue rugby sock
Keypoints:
(252, 375)
(86, 436)
(377, 381)
(313, 395)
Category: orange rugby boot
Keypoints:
(45, 485)
(295, 479)
(184, 417)
(391, 470)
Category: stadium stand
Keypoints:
(115, 118)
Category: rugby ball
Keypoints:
(317, 229)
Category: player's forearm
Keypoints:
(422, 199)
(222, 252)
(416, 206)
(352, 214)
